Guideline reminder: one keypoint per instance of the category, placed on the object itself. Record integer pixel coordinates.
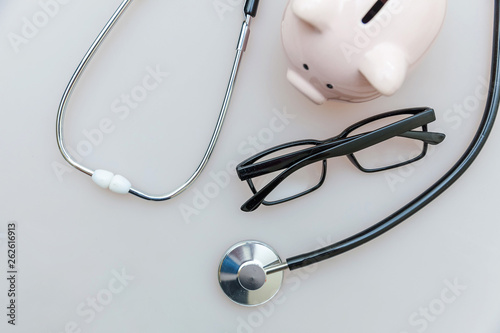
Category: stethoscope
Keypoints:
(117, 183)
(251, 272)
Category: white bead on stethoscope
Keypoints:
(108, 180)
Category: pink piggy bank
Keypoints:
(356, 50)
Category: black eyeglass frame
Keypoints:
(337, 146)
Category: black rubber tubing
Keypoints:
(251, 7)
(480, 138)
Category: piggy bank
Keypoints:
(356, 50)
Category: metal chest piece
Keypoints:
(242, 274)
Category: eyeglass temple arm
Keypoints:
(281, 162)
(359, 143)
(432, 138)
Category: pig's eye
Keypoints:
(329, 86)
(377, 7)
(306, 67)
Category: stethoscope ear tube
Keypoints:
(117, 183)
(487, 122)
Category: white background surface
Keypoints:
(74, 237)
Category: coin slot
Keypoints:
(377, 7)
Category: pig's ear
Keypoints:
(385, 67)
(318, 13)
(305, 87)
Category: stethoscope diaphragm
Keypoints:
(243, 276)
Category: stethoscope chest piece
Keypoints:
(242, 274)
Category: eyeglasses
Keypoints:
(379, 143)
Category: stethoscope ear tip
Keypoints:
(243, 276)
